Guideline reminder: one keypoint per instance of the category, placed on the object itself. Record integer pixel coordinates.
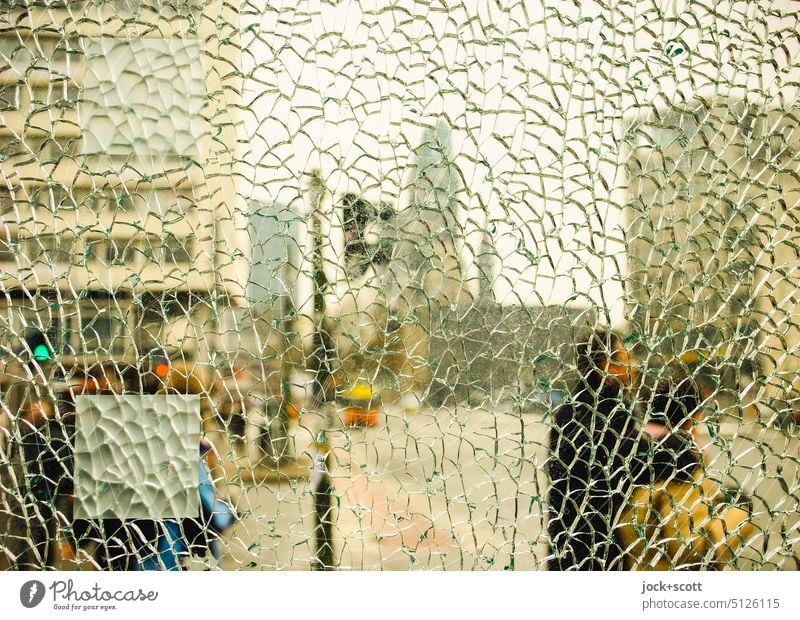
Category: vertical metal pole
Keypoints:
(321, 484)
(322, 488)
(322, 341)
(282, 445)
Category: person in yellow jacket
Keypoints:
(681, 519)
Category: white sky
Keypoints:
(536, 95)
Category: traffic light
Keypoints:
(39, 346)
(42, 353)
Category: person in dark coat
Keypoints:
(47, 464)
(595, 456)
(674, 404)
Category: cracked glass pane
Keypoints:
(449, 286)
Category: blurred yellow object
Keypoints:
(673, 525)
(360, 407)
(698, 356)
(691, 357)
(360, 391)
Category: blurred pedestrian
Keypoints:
(595, 449)
(47, 458)
(679, 518)
(108, 541)
(244, 426)
(673, 412)
(195, 536)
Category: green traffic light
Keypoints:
(42, 353)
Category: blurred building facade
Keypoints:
(713, 265)
(122, 228)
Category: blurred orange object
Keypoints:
(360, 407)
(292, 412)
(65, 551)
(361, 416)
